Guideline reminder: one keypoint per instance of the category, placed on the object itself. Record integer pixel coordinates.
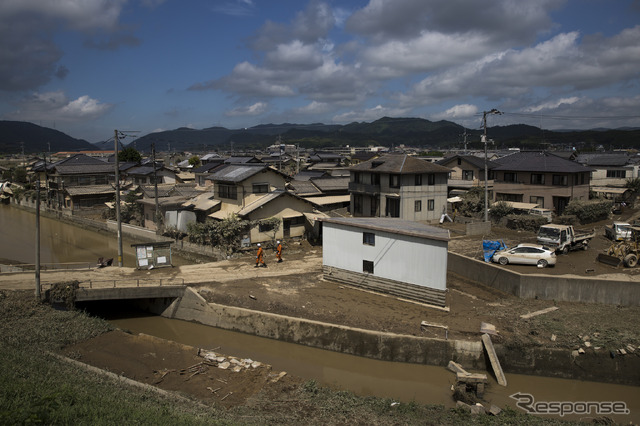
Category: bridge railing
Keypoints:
(27, 267)
(131, 282)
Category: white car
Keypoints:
(526, 254)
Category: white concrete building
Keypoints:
(402, 258)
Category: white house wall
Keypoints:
(397, 257)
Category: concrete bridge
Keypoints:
(165, 290)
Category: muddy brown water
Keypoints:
(60, 242)
(399, 381)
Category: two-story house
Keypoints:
(256, 192)
(540, 178)
(81, 181)
(397, 185)
(467, 171)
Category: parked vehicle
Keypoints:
(563, 238)
(546, 213)
(526, 254)
(618, 231)
(626, 252)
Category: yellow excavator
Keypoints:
(623, 252)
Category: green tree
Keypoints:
(194, 161)
(129, 154)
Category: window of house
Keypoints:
(356, 177)
(537, 200)
(367, 266)
(266, 226)
(375, 179)
(369, 238)
(517, 198)
(467, 175)
(431, 205)
(560, 180)
(228, 191)
(431, 179)
(616, 173)
(510, 177)
(583, 178)
(357, 204)
(417, 205)
(418, 180)
(393, 207)
(260, 188)
(537, 179)
(394, 181)
(373, 207)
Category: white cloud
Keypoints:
(251, 110)
(314, 108)
(457, 112)
(552, 104)
(369, 114)
(56, 106)
(293, 56)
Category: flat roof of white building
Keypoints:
(393, 226)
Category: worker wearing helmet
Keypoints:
(259, 260)
(279, 251)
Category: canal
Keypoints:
(60, 242)
(399, 381)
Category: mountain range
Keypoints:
(18, 136)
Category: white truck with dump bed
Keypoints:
(563, 238)
(618, 231)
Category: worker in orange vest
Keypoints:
(259, 260)
(279, 252)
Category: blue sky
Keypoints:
(87, 67)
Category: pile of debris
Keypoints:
(228, 362)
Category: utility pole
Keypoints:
(38, 291)
(155, 187)
(118, 219)
(486, 166)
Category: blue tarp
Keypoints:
(490, 247)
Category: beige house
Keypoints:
(257, 192)
(397, 185)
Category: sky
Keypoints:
(88, 67)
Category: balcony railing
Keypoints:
(366, 188)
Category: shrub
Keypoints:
(500, 210)
(589, 211)
(525, 222)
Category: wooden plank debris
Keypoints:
(429, 324)
(495, 363)
(456, 368)
(488, 328)
(540, 312)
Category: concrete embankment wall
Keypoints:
(547, 287)
(595, 366)
(376, 345)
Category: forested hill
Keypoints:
(16, 135)
(389, 132)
